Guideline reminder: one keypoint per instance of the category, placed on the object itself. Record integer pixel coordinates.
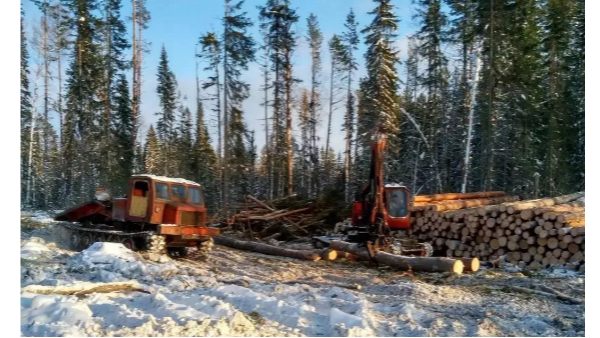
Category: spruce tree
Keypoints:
(122, 128)
(152, 153)
(576, 97)
(238, 51)
(184, 142)
(238, 159)
(211, 54)
(114, 45)
(338, 56)
(26, 109)
(140, 18)
(379, 91)
(206, 162)
(83, 105)
(315, 41)
(381, 86)
(278, 18)
(350, 41)
(167, 94)
(559, 19)
(435, 81)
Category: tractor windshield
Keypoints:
(195, 195)
(397, 203)
(162, 191)
(179, 192)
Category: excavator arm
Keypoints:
(371, 196)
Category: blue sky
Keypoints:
(178, 24)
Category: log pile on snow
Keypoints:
(491, 225)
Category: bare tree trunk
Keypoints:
(467, 163)
(490, 146)
(304, 123)
(415, 172)
(135, 97)
(348, 159)
(267, 143)
(220, 139)
(29, 164)
(276, 130)
(288, 111)
(61, 123)
(225, 183)
(107, 113)
(44, 130)
(327, 164)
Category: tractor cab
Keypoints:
(163, 200)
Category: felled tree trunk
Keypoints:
(458, 196)
(544, 202)
(86, 288)
(267, 249)
(462, 204)
(425, 264)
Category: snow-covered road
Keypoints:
(239, 293)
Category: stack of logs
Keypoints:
(493, 226)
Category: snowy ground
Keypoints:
(239, 293)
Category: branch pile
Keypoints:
(294, 216)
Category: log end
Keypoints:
(329, 255)
(471, 264)
(458, 267)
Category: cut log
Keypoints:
(470, 203)
(575, 223)
(458, 196)
(544, 202)
(329, 255)
(267, 249)
(426, 264)
(552, 243)
(86, 288)
(526, 214)
(573, 248)
(552, 212)
(571, 216)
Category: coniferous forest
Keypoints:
(490, 96)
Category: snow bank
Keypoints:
(33, 250)
(114, 262)
(48, 315)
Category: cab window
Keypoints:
(179, 191)
(195, 195)
(397, 203)
(162, 191)
(140, 189)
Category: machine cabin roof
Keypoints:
(167, 179)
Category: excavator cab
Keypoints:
(396, 200)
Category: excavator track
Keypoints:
(79, 238)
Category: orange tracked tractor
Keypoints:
(159, 214)
(380, 214)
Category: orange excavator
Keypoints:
(380, 214)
